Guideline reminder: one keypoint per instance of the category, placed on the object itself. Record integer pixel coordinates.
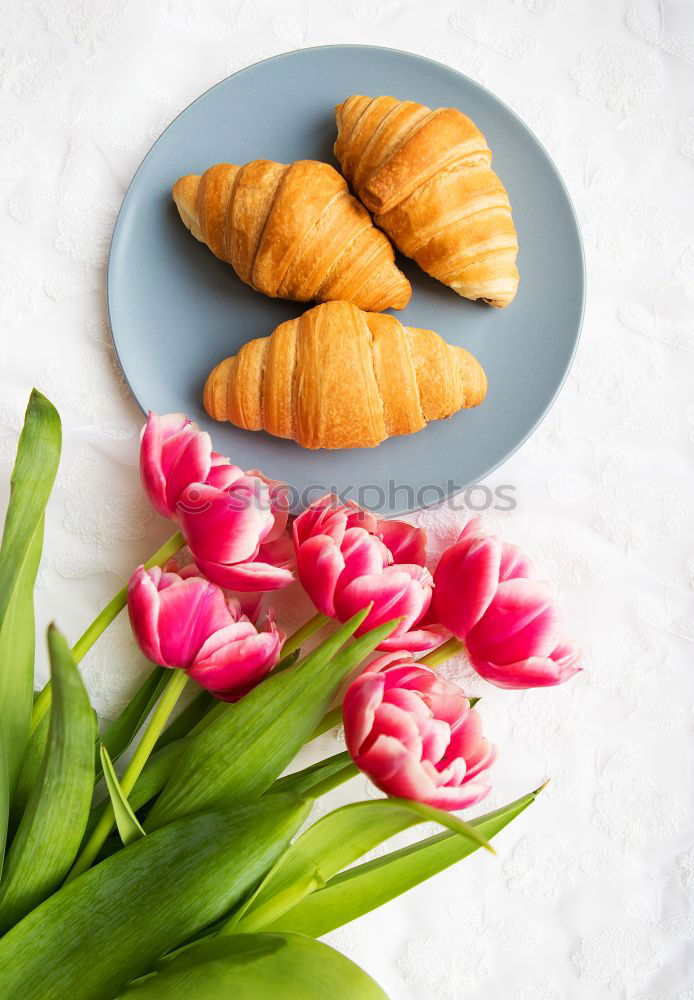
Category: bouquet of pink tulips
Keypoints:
(189, 875)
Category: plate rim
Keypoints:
(418, 57)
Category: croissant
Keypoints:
(338, 377)
(427, 178)
(292, 232)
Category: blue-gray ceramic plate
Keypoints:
(176, 310)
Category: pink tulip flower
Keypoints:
(173, 453)
(348, 559)
(486, 594)
(182, 620)
(235, 526)
(234, 522)
(415, 735)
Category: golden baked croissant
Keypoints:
(292, 232)
(338, 377)
(427, 177)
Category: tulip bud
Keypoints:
(233, 522)
(415, 735)
(485, 593)
(344, 564)
(182, 620)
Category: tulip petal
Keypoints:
(535, 671)
(361, 700)
(475, 526)
(447, 702)
(395, 771)
(189, 612)
(279, 503)
(363, 554)
(435, 734)
(173, 453)
(151, 474)
(319, 564)
(466, 736)
(406, 543)
(236, 668)
(407, 700)
(329, 516)
(217, 642)
(279, 552)
(388, 660)
(246, 576)
(461, 797)
(394, 594)
(223, 475)
(406, 674)
(143, 610)
(450, 771)
(221, 526)
(246, 605)
(185, 460)
(390, 720)
(325, 516)
(566, 655)
(481, 759)
(521, 621)
(514, 563)
(358, 517)
(417, 640)
(465, 581)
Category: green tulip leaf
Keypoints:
(4, 798)
(303, 781)
(156, 773)
(244, 747)
(110, 925)
(258, 967)
(32, 479)
(288, 661)
(367, 886)
(126, 820)
(162, 763)
(335, 841)
(29, 770)
(53, 823)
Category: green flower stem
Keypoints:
(165, 705)
(102, 621)
(442, 653)
(303, 634)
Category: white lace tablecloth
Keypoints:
(591, 895)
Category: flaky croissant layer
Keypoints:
(293, 232)
(426, 176)
(338, 377)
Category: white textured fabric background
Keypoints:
(591, 895)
